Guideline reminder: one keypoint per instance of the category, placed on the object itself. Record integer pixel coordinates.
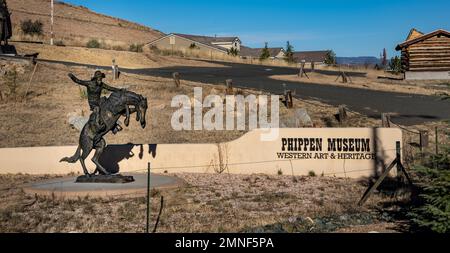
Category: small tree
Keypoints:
(384, 58)
(93, 43)
(30, 27)
(193, 46)
(289, 54)
(433, 211)
(233, 51)
(265, 53)
(136, 48)
(395, 64)
(330, 58)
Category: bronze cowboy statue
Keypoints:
(94, 87)
(5, 26)
(105, 113)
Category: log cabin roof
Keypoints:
(422, 38)
(413, 34)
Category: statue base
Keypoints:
(110, 179)
(8, 50)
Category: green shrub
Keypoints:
(83, 93)
(30, 27)
(265, 53)
(118, 48)
(138, 48)
(432, 212)
(311, 173)
(193, 46)
(330, 58)
(93, 43)
(289, 53)
(395, 64)
(233, 51)
(59, 43)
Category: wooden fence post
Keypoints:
(385, 120)
(176, 79)
(147, 227)
(342, 114)
(288, 99)
(436, 140)
(229, 86)
(302, 72)
(398, 157)
(423, 139)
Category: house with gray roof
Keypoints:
(196, 43)
(275, 52)
(316, 57)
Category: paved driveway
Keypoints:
(409, 109)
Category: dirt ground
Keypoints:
(209, 203)
(103, 57)
(371, 82)
(40, 118)
(76, 25)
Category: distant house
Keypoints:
(426, 56)
(203, 44)
(316, 57)
(274, 52)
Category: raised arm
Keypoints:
(78, 81)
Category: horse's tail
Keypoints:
(74, 158)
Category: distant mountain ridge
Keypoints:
(360, 60)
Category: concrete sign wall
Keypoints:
(341, 152)
(427, 75)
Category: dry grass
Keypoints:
(75, 25)
(52, 96)
(103, 57)
(211, 203)
(371, 82)
(40, 120)
(219, 57)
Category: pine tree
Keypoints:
(384, 58)
(265, 53)
(289, 54)
(433, 212)
(395, 64)
(330, 58)
(233, 51)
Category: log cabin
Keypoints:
(426, 56)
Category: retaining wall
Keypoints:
(245, 155)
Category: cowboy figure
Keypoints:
(94, 90)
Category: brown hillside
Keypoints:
(76, 25)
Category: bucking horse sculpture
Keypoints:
(102, 120)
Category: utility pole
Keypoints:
(51, 23)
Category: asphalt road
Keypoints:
(407, 109)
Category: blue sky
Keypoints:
(349, 27)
